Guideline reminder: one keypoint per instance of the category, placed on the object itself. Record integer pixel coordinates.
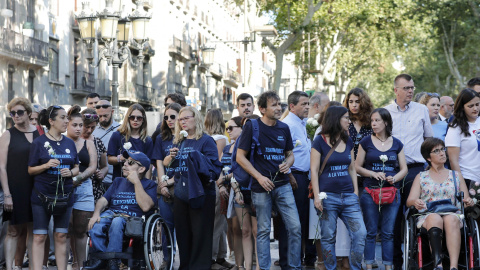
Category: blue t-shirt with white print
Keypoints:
(121, 196)
(274, 141)
(46, 182)
(373, 163)
(335, 177)
(162, 150)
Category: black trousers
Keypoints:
(194, 231)
(397, 232)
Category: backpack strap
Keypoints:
(255, 136)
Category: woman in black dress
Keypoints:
(16, 182)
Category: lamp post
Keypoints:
(208, 54)
(115, 33)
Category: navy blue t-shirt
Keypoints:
(274, 142)
(115, 148)
(46, 182)
(162, 150)
(373, 163)
(335, 177)
(121, 196)
(205, 145)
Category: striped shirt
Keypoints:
(411, 126)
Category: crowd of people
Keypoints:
(217, 183)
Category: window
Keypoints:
(31, 77)
(31, 11)
(11, 6)
(53, 59)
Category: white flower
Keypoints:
(165, 178)
(226, 169)
(475, 201)
(472, 192)
(461, 216)
(51, 151)
(314, 123)
(477, 184)
(322, 195)
(297, 143)
(47, 144)
(316, 116)
(309, 121)
(383, 158)
(67, 151)
(183, 133)
(127, 145)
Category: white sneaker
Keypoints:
(15, 267)
(44, 267)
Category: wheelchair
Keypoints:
(416, 247)
(142, 254)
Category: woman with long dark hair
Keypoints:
(83, 204)
(463, 136)
(53, 162)
(377, 159)
(131, 135)
(161, 154)
(335, 189)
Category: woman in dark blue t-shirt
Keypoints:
(335, 190)
(131, 135)
(53, 162)
(381, 161)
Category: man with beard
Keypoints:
(245, 105)
(105, 128)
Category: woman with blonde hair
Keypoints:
(196, 166)
(131, 135)
(432, 101)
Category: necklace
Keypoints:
(58, 141)
(383, 142)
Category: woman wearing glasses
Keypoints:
(53, 162)
(131, 135)
(438, 183)
(90, 121)
(432, 101)
(161, 155)
(463, 136)
(83, 204)
(16, 183)
(196, 168)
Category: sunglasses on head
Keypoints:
(172, 117)
(133, 118)
(105, 106)
(54, 107)
(20, 113)
(230, 128)
(90, 116)
(433, 95)
(131, 162)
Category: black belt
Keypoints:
(300, 172)
(415, 165)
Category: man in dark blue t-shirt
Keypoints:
(271, 183)
(131, 196)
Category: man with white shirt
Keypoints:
(317, 103)
(411, 125)
(446, 108)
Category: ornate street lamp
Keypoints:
(208, 56)
(115, 33)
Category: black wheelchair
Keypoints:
(145, 253)
(416, 247)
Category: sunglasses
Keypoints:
(131, 162)
(172, 117)
(133, 118)
(90, 116)
(105, 106)
(433, 95)
(53, 108)
(230, 128)
(20, 113)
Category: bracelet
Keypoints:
(118, 158)
(71, 173)
(7, 196)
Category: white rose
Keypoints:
(475, 201)
(165, 178)
(316, 116)
(309, 121)
(67, 151)
(51, 152)
(183, 133)
(322, 195)
(47, 144)
(297, 143)
(461, 216)
(226, 169)
(127, 145)
(383, 158)
(315, 123)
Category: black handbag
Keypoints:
(55, 206)
(134, 227)
(445, 205)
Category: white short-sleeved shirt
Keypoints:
(469, 149)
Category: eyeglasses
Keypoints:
(134, 117)
(90, 116)
(53, 108)
(131, 162)
(185, 118)
(406, 88)
(20, 113)
(230, 128)
(439, 150)
(105, 106)
(172, 117)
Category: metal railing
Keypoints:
(143, 93)
(181, 47)
(85, 81)
(14, 42)
(234, 76)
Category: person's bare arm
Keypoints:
(5, 142)
(102, 203)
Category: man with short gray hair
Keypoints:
(317, 103)
(446, 108)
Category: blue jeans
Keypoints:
(115, 227)
(386, 218)
(284, 201)
(166, 211)
(345, 206)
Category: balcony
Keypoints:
(84, 82)
(180, 48)
(267, 68)
(136, 93)
(217, 70)
(233, 77)
(16, 46)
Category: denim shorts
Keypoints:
(83, 197)
(41, 219)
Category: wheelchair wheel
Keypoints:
(153, 247)
(475, 244)
(409, 245)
